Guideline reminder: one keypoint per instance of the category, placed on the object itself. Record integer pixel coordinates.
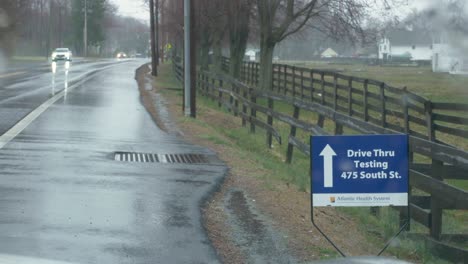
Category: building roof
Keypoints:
(407, 37)
(329, 51)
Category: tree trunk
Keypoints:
(237, 52)
(154, 66)
(217, 52)
(238, 24)
(204, 51)
(235, 62)
(266, 65)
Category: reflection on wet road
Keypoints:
(21, 95)
(64, 198)
(66, 68)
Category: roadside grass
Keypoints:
(386, 224)
(30, 58)
(326, 253)
(166, 79)
(271, 162)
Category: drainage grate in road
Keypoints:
(160, 158)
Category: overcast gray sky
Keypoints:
(134, 8)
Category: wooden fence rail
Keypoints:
(359, 105)
(370, 100)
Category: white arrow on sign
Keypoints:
(327, 154)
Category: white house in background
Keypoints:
(251, 54)
(329, 53)
(407, 43)
(447, 58)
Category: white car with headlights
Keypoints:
(62, 54)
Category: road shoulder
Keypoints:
(274, 211)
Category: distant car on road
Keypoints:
(121, 55)
(62, 54)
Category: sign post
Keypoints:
(360, 170)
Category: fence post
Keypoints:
(285, 79)
(436, 165)
(253, 112)
(382, 105)
(275, 80)
(429, 121)
(402, 215)
(406, 112)
(200, 81)
(220, 93)
(322, 87)
(252, 73)
(436, 219)
(338, 129)
(436, 173)
(247, 73)
(280, 81)
(406, 118)
(257, 69)
(205, 84)
(197, 81)
(236, 101)
(311, 85)
(365, 100)
(350, 96)
(292, 134)
(294, 81)
(270, 122)
(302, 83)
(244, 106)
(335, 92)
(231, 99)
(242, 71)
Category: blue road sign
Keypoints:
(363, 170)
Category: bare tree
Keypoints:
(279, 19)
(239, 15)
(8, 10)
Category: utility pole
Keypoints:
(85, 29)
(154, 66)
(163, 24)
(187, 57)
(193, 63)
(157, 32)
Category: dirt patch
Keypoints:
(286, 207)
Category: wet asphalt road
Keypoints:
(63, 196)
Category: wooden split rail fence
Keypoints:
(357, 105)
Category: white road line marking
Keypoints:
(21, 125)
(27, 120)
(11, 74)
